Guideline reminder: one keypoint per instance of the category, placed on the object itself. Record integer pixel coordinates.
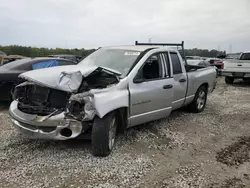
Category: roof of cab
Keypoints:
(140, 48)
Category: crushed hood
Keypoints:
(66, 78)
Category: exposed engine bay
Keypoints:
(37, 99)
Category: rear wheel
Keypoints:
(199, 101)
(103, 134)
(229, 80)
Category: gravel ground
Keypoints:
(210, 149)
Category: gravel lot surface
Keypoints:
(210, 149)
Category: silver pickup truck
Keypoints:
(110, 90)
(237, 68)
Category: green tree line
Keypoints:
(39, 52)
(203, 52)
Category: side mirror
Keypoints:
(138, 80)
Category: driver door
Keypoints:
(151, 92)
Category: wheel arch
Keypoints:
(122, 115)
(206, 85)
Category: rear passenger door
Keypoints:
(180, 81)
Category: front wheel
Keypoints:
(229, 80)
(199, 101)
(103, 134)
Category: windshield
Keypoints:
(118, 59)
(245, 56)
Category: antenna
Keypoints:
(66, 44)
(219, 48)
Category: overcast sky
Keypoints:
(93, 23)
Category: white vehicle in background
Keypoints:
(198, 62)
(237, 68)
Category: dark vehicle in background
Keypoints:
(75, 58)
(9, 72)
(10, 58)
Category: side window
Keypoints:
(152, 69)
(176, 63)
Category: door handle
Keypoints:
(182, 80)
(239, 65)
(168, 86)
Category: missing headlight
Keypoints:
(80, 107)
(75, 109)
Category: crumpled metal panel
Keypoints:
(65, 78)
(87, 99)
(70, 81)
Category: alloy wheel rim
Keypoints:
(201, 100)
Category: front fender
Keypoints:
(106, 102)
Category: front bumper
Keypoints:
(44, 127)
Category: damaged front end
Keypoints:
(57, 112)
(80, 107)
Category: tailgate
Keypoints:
(237, 66)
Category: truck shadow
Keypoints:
(4, 106)
(240, 83)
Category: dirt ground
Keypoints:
(210, 149)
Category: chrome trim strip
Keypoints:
(189, 96)
(147, 113)
(178, 100)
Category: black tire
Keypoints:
(101, 134)
(194, 106)
(229, 80)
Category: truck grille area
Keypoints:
(34, 99)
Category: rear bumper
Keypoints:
(236, 74)
(42, 127)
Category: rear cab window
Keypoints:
(245, 56)
(177, 69)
